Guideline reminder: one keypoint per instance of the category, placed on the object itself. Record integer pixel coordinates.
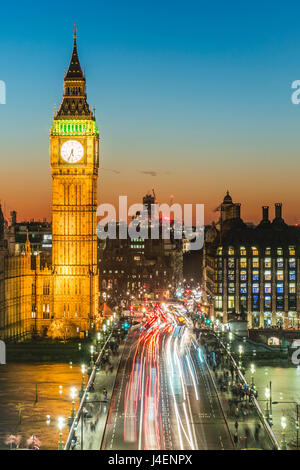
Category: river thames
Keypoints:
(285, 385)
(18, 390)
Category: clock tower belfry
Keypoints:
(74, 158)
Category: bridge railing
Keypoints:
(273, 440)
(79, 414)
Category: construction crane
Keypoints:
(155, 200)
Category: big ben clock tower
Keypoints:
(74, 157)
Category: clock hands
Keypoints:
(71, 154)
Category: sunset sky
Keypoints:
(192, 98)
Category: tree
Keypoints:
(62, 328)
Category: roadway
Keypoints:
(164, 397)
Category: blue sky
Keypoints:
(198, 92)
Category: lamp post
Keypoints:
(60, 425)
(230, 341)
(92, 356)
(73, 396)
(240, 355)
(297, 418)
(98, 337)
(252, 368)
(267, 395)
(222, 330)
(82, 382)
(283, 426)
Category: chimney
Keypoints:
(265, 213)
(278, 210)
(238, 211)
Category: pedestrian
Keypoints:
(236, 425)
(235, 438)
(247, 435)
(73, 442)
(257, 431)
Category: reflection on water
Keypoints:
(285, 388)
(18, 386)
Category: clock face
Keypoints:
(72, 151)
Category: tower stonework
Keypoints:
(74, 158)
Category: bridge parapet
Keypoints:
(263, 335)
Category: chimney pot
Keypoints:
(278, 210)
(265, 213)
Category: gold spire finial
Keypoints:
(75, 31)
(27, 243)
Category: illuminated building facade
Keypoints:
(33, 293)
(253, 272)
(16, 278)
(74, 154)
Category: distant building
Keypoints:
(253, 271)
(133, 267)
(16, 278)
(40, 237)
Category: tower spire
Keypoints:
(27, 243)
(74, 71)
(74, 104)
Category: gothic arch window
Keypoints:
(219, 251)
(243, 251)
(231, 250)
(254, 251)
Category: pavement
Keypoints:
(238, 409)
(95, 422)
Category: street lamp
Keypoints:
(82, 382)
(73, 396)
(240, 355)
(267, 395)
(297, 418)
(60, 425)
(283, 426)
(230, 340)
(92, 356)
(252, 368)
